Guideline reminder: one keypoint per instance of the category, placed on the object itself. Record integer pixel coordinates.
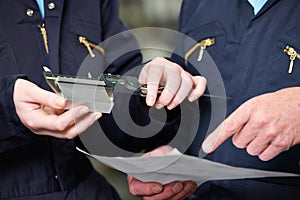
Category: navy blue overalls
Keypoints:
(248, 51)
(41, 167)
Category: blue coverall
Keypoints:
(41, 167)
(248, 51)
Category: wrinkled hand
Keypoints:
(156, 191)
(44, 112)
(178, 83)
(265, 125)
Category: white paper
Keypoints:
(177, 166)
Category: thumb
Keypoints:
(34, 94)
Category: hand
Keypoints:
(265, 125)
(44, 112)
(178, 83)
(153, 190)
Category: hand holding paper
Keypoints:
(156, 190)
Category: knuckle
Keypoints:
(271, 133)
(60, 126)
(71, 135)
(262, 121)
(252, 104)
(229, 125)
(154, 73)
(284, 143)
(203, 80)
(30, 123)
(171, 89)
(177, 78)
(187, 80)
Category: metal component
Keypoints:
(29, 12)
(203, 44)
(89, 44)
(290, 51)
(97, 94)
(44, 35)
(51, 6)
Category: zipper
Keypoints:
(290, 51)
(44, 36)
(202, 44)
(89, 45)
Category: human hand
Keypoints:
(265, 125)
(178, 84)
(153, 190)
(44, 112)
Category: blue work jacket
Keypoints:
(32, 164)
(248, 52)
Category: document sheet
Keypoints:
(177, 166)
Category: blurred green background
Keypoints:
(138, 14)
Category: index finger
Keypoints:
(227, 128)
(151, 75)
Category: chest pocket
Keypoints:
(208, 38)
(285, 61)
(8, 65)
(203, 54)
(82, 44)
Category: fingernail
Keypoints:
(192, 98)
(150, 101)
(189, 187)
(98, 115)
(177, 187)
(59, 102)
(171, 106)
(158, 106)
(84, 110)
(157, 189)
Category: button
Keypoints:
(56, 177)
(51, 6)
(29, 12)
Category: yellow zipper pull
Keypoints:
(88, 45)
(290, 51)
(203, 44)
(44, 35)
(84, 41)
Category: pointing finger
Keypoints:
(227, 128)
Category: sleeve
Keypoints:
(129, 130)
(13, 133)
(123, 50)
(132, 125)
(142, 135)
